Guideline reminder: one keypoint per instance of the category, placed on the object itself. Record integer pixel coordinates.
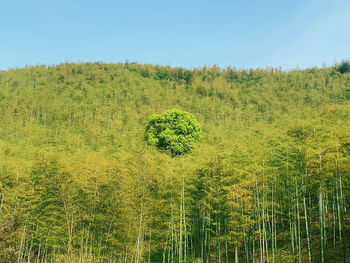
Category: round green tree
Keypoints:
(173, 130)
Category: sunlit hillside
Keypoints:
(268, 181)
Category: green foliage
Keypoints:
(78, 183)
(344, 67)
(173, 130)
(163, 75)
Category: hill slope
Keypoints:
(269, 178)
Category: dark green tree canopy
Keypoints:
(344, 67)
(173, 130)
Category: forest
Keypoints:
(268, 181)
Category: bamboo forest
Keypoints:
(265, 179)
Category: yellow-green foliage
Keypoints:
(78, 181)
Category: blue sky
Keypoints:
(187, 33)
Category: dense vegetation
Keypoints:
(268, 182)
(174, 131)
(344, 67)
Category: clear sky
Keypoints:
(187, 33)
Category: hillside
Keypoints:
(268, 182)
